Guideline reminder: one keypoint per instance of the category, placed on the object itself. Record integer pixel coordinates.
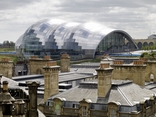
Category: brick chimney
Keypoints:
(104, 79)
(51, 71)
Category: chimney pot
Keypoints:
(5, 86)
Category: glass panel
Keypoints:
(54, 37)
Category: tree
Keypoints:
(8, 44)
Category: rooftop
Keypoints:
(125, 92)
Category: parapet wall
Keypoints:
(35, 64)
(134, 72)
(6, 67)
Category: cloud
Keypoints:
(11, 4)
(135, 17)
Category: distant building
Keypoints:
(153, 36)
(88, 40)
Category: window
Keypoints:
(75, 105)
(112, 112)
(84, 111)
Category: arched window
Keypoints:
(139, 45)
(151, 44)
(145, 44)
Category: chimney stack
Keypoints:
(65, 63)
(104, 79)
(51, 79)
(5, 86)
(32, 109)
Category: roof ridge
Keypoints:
(124, 96)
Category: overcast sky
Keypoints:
(136, 17)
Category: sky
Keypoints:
(136, 17)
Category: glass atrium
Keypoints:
(88, 40)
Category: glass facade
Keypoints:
(54, 37)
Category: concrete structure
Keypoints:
(6, 67)
(65, 63)
(134, 72)
(35, 64)
(51, 79)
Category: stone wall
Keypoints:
(134, 72)
(6, 67)
(35, 64)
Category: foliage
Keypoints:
(12, 58)
(8, 44)
(144, 54)
(6, 49)
(148, 55)
(153, 47)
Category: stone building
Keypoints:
(35, 64)
(6, 67)
(120, 91)
(15, 101)
(104, 97)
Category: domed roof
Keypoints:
(54, 37)
(63, 30)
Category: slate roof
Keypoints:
(11, 83)
(63, 77)
(85, 68)
(125, 92)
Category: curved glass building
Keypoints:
(88, 40)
